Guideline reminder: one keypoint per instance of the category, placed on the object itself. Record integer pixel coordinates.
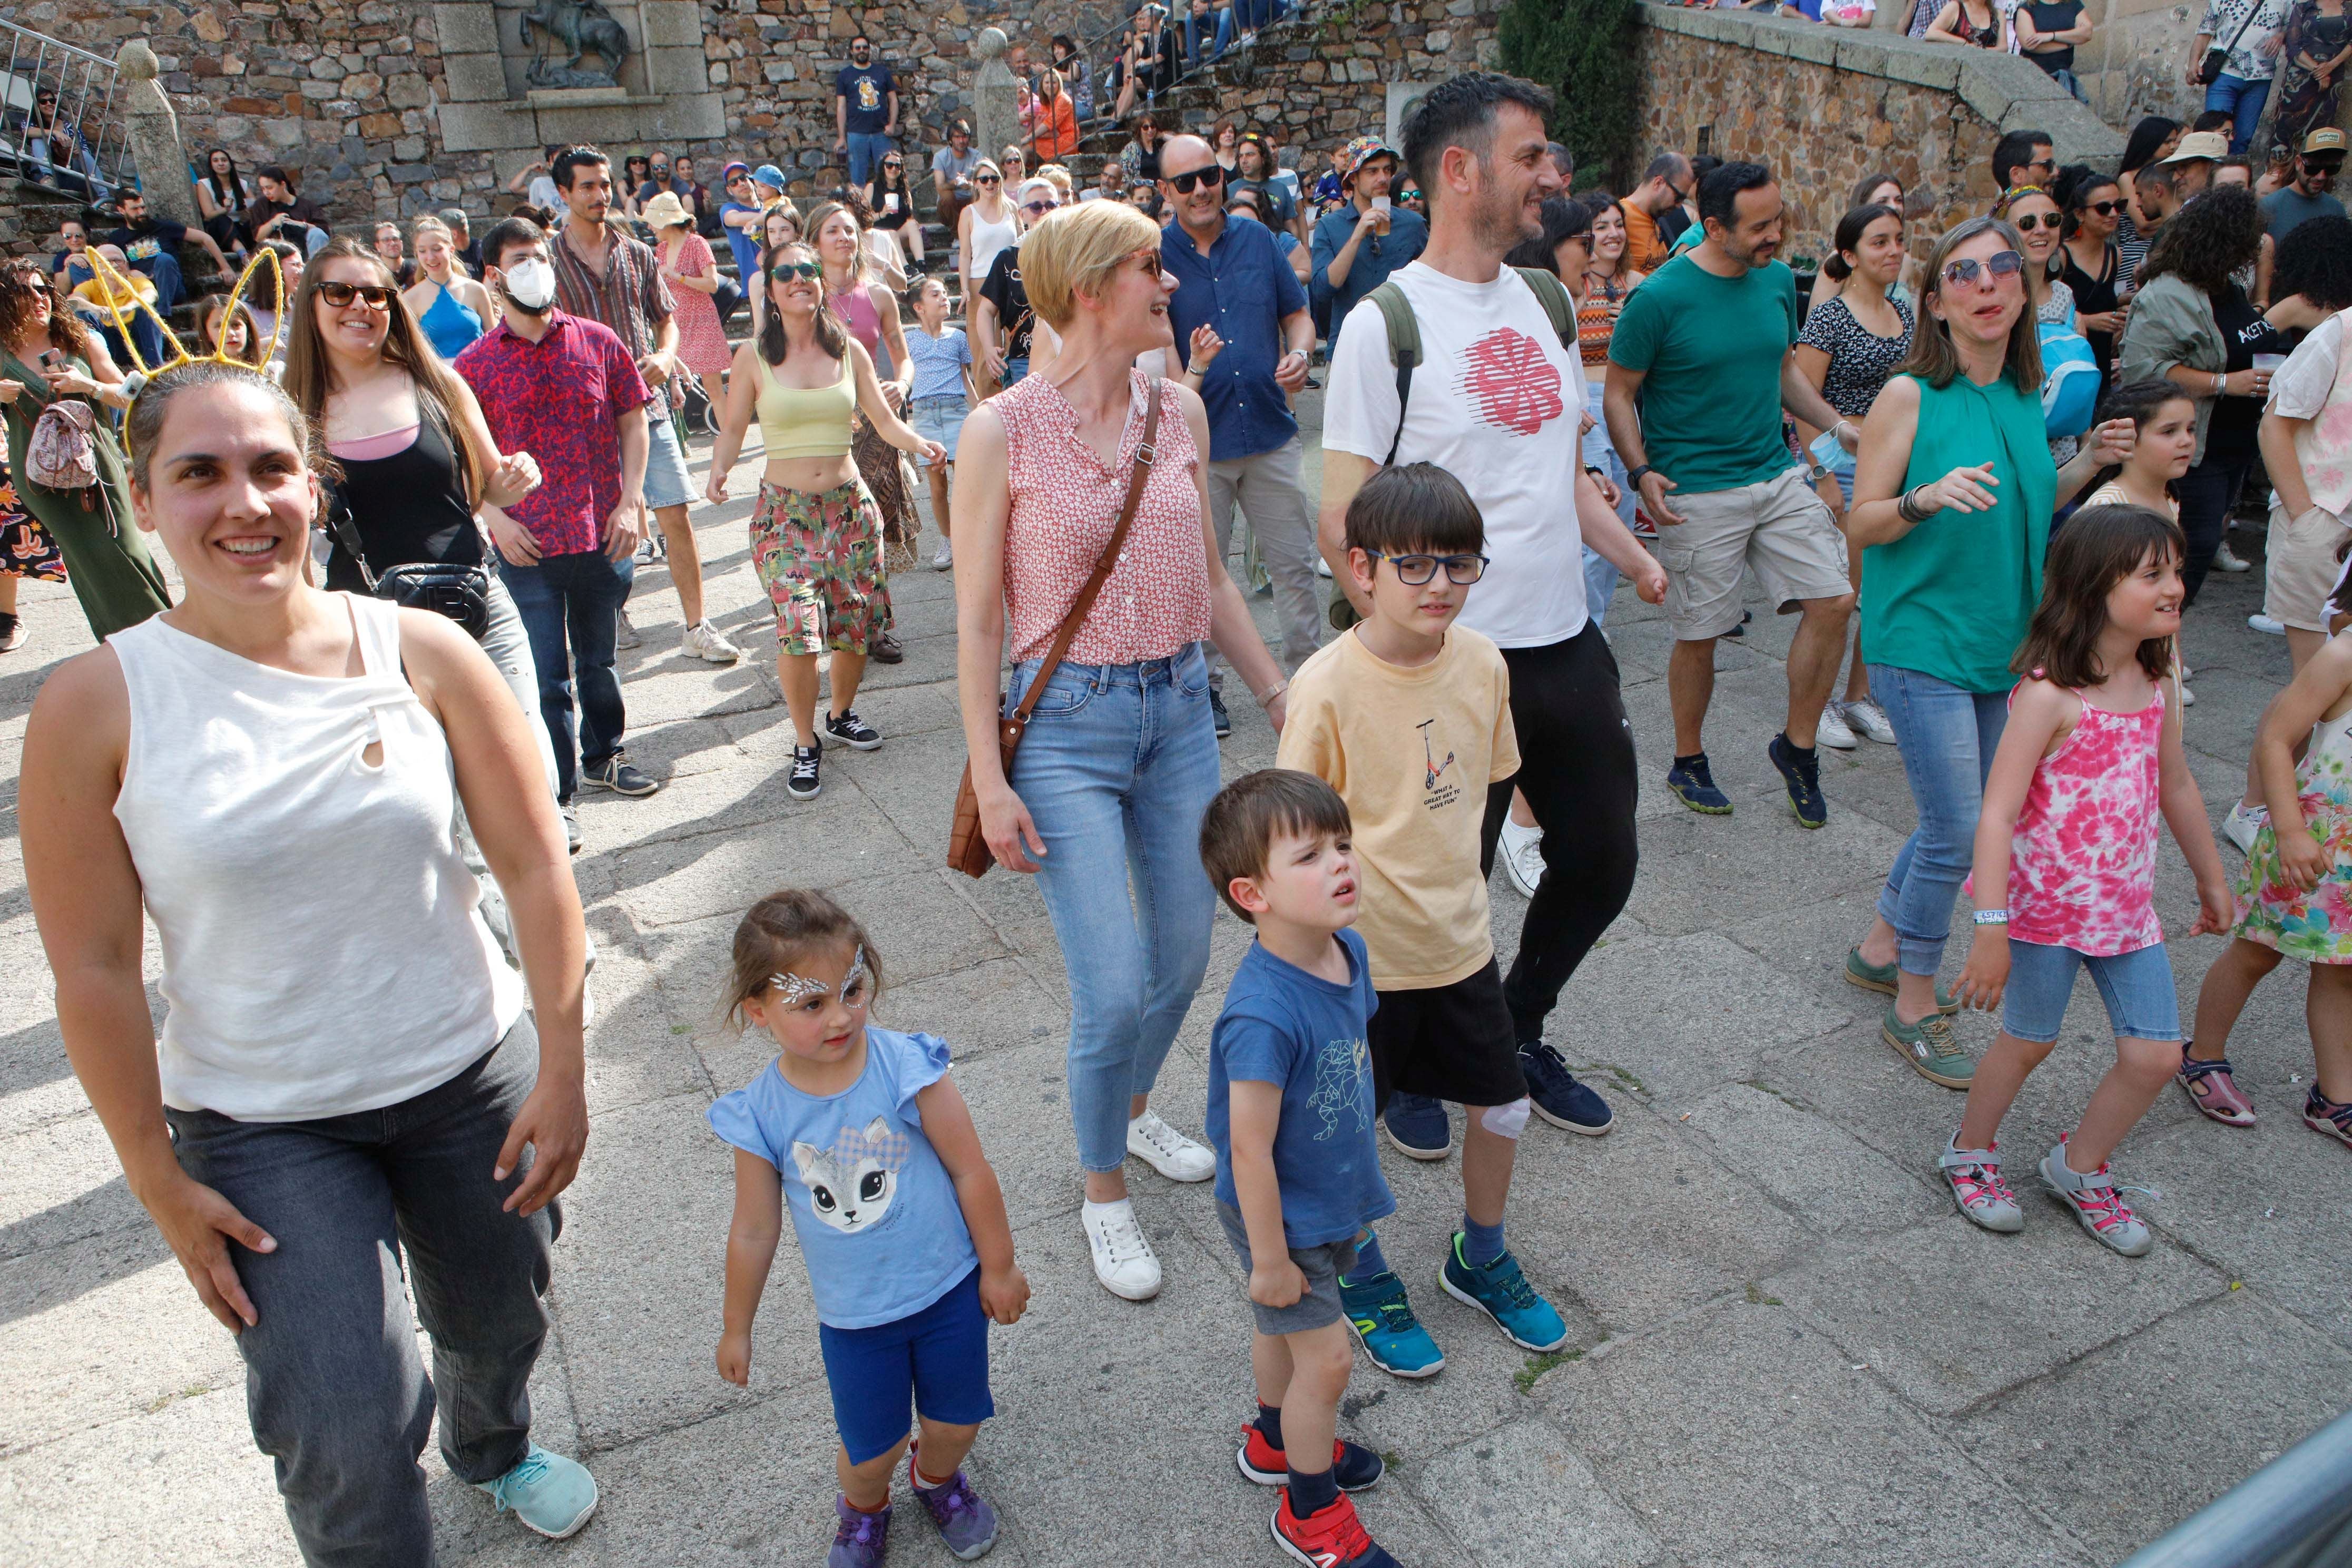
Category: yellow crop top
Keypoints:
(805, 422)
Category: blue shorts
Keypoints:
(2137, 987)
(935, 1360)
(667, 483)
(940, 419)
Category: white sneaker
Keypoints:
(627, 637)
(2227, 560)
(1169, 1151)
(1322, 567)
(945, 558)
(2242, 823)
(1124, 1260)
(2264, 625)
(2187, 697)
(1831, 730)
(704, 641)
(1865, 717)
(1522, 850)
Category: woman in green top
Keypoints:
(1953, 492)
(46, 355)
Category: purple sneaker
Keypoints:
(966, 1523)
(863, 1539)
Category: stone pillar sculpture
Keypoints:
(154, 131)
(995, 108)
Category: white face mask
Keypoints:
(530, 284)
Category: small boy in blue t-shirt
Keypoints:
(1290, 1112)
(939, 398)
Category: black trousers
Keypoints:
(1576, 768)
(2206, 493)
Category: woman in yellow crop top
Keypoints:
(816, 534)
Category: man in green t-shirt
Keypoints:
(1699, 371)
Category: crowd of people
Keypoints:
(409, 478)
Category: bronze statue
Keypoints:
(582, 27)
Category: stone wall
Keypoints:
(1823, 106)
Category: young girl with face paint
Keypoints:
(862, 1134)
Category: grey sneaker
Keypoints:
(1931, 1047)
(620, 775)
(1974, 1176)
(967, 1524)
(625, 635)
(2097, 1202)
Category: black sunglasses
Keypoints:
(338, 294)
(808, 270)
(987, 180)
(2105, 209)
(1191, 179)
(1037, 206)
(1414, 570)
(1963, 273)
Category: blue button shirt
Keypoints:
(1243, 288)
(1379, 255)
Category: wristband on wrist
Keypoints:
(1992, 917)
(1907, 507)
(1265, 699)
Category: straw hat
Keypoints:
(666, 211)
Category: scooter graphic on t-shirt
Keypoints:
(1435, 769)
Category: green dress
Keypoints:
(107, 561)
(1952, 597)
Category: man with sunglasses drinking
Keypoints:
(1666, 185)
(1356, 244)
(1233, 281)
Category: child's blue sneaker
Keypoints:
(966, 1523)
(548, 1492)
(1418, 1126)
(863, 1538)
(1503, 1293)
(1382, 1318)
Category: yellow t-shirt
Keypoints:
(1412, 751)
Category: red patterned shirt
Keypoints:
(561, 399)
(1064, 504)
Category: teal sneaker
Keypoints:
(1931, 1047)
(1884, 977)
(1392, 1337)
(1503, 1293)
(548, 1492)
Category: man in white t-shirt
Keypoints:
(1498, 402)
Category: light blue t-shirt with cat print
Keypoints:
(1282, 1026)
(875, 1210)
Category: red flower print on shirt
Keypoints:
(1510, 383)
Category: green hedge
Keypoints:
(1584, 50)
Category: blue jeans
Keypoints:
(865, 151)
(570, 606)
(2244, 99)
(1948, 737)
(1118, 766)
(1600, 577)
(2137, 987)
(1015, 369)
(170, 290)
(334, 1388)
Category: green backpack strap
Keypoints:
(1554, 296)
(1405, 349)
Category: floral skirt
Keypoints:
(819, 556)
(2314, 926)
(25, 548)
(878, 466)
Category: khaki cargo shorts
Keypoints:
(1780, 526)
(2301, 568)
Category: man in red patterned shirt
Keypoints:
(566, 391)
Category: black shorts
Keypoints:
(1452, 1042)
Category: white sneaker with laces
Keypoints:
(945, 558)
(704, 641)
(1867, 718)
(1124, 1260)
(2228, 560)
(2242, 823)
(2264, 625)
(1832, 731)
(1522, 850)
(1169, 1151)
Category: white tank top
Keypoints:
(987, 239)
(322, 952)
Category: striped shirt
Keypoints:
(628, 296)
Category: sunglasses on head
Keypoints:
(2032, 221)
(375, 296)
(1963, 273)
(1190, 180)
(1414, 570)
(809, 271)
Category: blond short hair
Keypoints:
(1056, 176)
(1075, 251)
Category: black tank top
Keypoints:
(408, 507)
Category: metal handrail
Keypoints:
(1095, 60)
(85, 85)
(2293, 1513)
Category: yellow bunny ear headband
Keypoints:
(118, 286)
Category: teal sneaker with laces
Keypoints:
(548, 1492)
(1383, 1320)
(1503, 1293)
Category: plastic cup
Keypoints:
(2269, 364)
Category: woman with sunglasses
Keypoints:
(2092, 261)
(637, 173)
(2035, 213)
(986, 226)
(1953, 492)
(869, 309)
(892, 202)
(817, 534)
(46, 353)
(1120, 757)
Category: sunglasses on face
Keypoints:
(988, 180)
(1147, 261)
(2322, 165)
(1415, 570)
(2032, 221)
(893, 164)
(1191, 179)
(784, 271)
(2105, 209)
(1040, 206)
(1964, 273)
(375, 296)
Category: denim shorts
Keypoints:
(1322, 1265)
(667, 483)
(940, 419)
(2136, 986)
(935, 1360)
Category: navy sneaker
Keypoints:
(1692, 783)
(1558, 1097)
(1217, 713)
(1417, 1126)
(1804, 780)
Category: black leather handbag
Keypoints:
(448, 588)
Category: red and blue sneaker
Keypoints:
(1355, 1467)
(1333, 1537)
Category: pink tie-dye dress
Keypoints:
(2081, 868)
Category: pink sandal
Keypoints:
(2212, 1091)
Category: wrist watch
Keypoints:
(1634, 475)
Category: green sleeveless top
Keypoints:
(1951, 598)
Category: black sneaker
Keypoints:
(1417, 1126)
(1217, 712)
(11, 634)
(1804, 780)
(884, 649)
(1558, 1097)
(617, 774)
(848, 729)
(802, 785)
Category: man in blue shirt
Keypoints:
(1232, 283)
(865, 110)
(739, 215)
(1357, 246)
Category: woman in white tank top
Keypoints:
(984, 228)
(346, 1072)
